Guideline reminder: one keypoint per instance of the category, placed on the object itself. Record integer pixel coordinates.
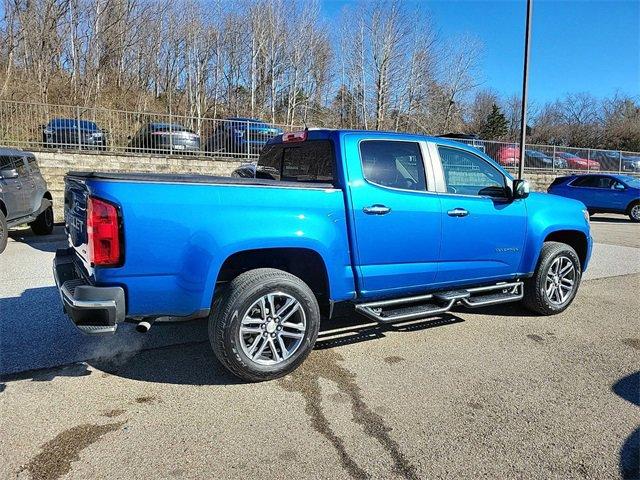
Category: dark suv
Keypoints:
(241, 136)
(72, 133)
(24, 198)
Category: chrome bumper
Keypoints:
(92, 309)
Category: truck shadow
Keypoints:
(195, 364)
(628, 388)
(38, 342)
(36, 338)
(44, 243)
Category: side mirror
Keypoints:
(521, 189)
(8, 173)
(618, 186)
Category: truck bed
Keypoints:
(178, 231)
(193, 178)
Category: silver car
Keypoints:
(24, 198)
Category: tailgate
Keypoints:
(75, 214)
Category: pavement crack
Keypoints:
(59, 453)
(305, 380)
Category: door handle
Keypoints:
(18, 187)
(376, 210)
(458, 212)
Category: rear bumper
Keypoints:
(92, 309)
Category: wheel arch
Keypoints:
(631, 204)
(304, 263)
(3, 209)
(575, 239)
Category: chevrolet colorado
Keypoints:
(392, 226)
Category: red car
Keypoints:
(577, 163)
(508, 155)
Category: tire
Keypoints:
(634, 212)
(536, 289)
(4, 232)
(239, 306)
(43, 224)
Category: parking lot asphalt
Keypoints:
(486, 393)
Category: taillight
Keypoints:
(294, 136)
(103, 231)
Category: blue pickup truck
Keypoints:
(390, 226)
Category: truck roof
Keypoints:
(318, 133)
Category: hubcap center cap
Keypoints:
(271, 326)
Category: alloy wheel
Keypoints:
(635, 212)
(273, 328)
(561, 280)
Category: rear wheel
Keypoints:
(43, 224)
(634, 212)
(4, 232)
(555, 281)
(264, 324)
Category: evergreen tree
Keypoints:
(496, 126)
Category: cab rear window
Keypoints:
(309, 161)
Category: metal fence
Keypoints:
(37, 126)
(558, 158)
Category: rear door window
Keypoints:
(591, 181)
(21, 167)
(6, 162)
(33, 164)
(309, 161)
(393, 164)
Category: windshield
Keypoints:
(72, 123)
(631, 181)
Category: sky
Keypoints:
(576, 45)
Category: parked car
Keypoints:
(602, 193)
(631, 163)
(614, 160)
(164, 138)
(508, 155)
(71, 133)
(24, 198)
(344, 224)
(577, 163)
(241, 136)
(534, 158)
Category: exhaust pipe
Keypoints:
(144, 326)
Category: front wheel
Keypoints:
(264, 324)
(43, 224)
(634, 212)
(555, 281)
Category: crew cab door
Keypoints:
(483, 230)
(396, 223)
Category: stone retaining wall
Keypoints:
(54, 166)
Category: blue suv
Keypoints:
(602, 193)
(241, 136)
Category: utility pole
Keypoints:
(525, 81)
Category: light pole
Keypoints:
(525, 81)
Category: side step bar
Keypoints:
(424, 306)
